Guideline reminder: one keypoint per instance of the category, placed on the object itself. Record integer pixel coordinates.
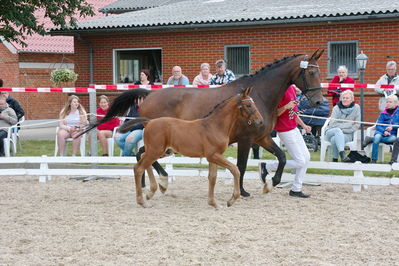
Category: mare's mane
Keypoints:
(271, 66)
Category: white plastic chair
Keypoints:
(111, 144)
(353, 145)
(82, 144)
(382, 147)
(10, 142)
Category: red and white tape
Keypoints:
(358, 86)
(64, 90)
(149, 87)
(157, 87)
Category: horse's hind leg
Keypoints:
(220, 160)
(138, 173)
(163, 175)
(153, 183)
(139, 168)
(212, 181)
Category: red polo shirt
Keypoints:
(284, 123)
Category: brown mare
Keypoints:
(269, 85)
(208, 137)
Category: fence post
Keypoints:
(93, 118)
(358, 179)
(44, 166)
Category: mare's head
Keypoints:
(248, 109)
(308, 78)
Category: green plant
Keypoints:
(63, 75)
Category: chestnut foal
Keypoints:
(207, 137)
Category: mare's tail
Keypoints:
(119, 106)
(126, 127)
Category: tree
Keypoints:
(18, 17)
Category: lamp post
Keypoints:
(361, 61)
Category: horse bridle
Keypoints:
(242, 110)
(304, 65)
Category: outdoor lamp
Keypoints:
(361, 60)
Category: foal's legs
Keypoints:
(145, 162)
(220, 160)
(153, 183)
(163, 175)
(212, 181)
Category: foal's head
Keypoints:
(248, 109)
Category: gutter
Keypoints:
(269, 22)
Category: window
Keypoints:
(342, 53)
(237, 57)
(128, 63)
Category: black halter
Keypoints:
(242, 110)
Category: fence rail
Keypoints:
(358, 180)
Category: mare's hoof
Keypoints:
(276, 181)
(244, 194)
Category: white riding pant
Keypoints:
(299, 153)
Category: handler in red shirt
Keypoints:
(288, 132)
(342, 77)
(105, 130)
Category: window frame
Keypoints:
(226, 47)
(114, 58)
(331, 74)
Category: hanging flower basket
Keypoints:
(63, 75)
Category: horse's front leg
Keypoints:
(272, 147)
(212, 175)
(223, 162)
(242, 160)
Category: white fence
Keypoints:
(45, 172)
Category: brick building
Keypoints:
(31, 66)
(249, 34)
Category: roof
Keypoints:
(55, 44)
(122, 6)
(193, 13)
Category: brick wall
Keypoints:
(36, 105)
(191, 48)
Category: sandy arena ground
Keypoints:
(67, 222)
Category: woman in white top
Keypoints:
(204, 76)
(73, 118)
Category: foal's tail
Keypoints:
(119, 106)
(126, 127)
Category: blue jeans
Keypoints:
(128, 141)
(337, 139)
(376, 141)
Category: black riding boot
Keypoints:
(344, 158)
